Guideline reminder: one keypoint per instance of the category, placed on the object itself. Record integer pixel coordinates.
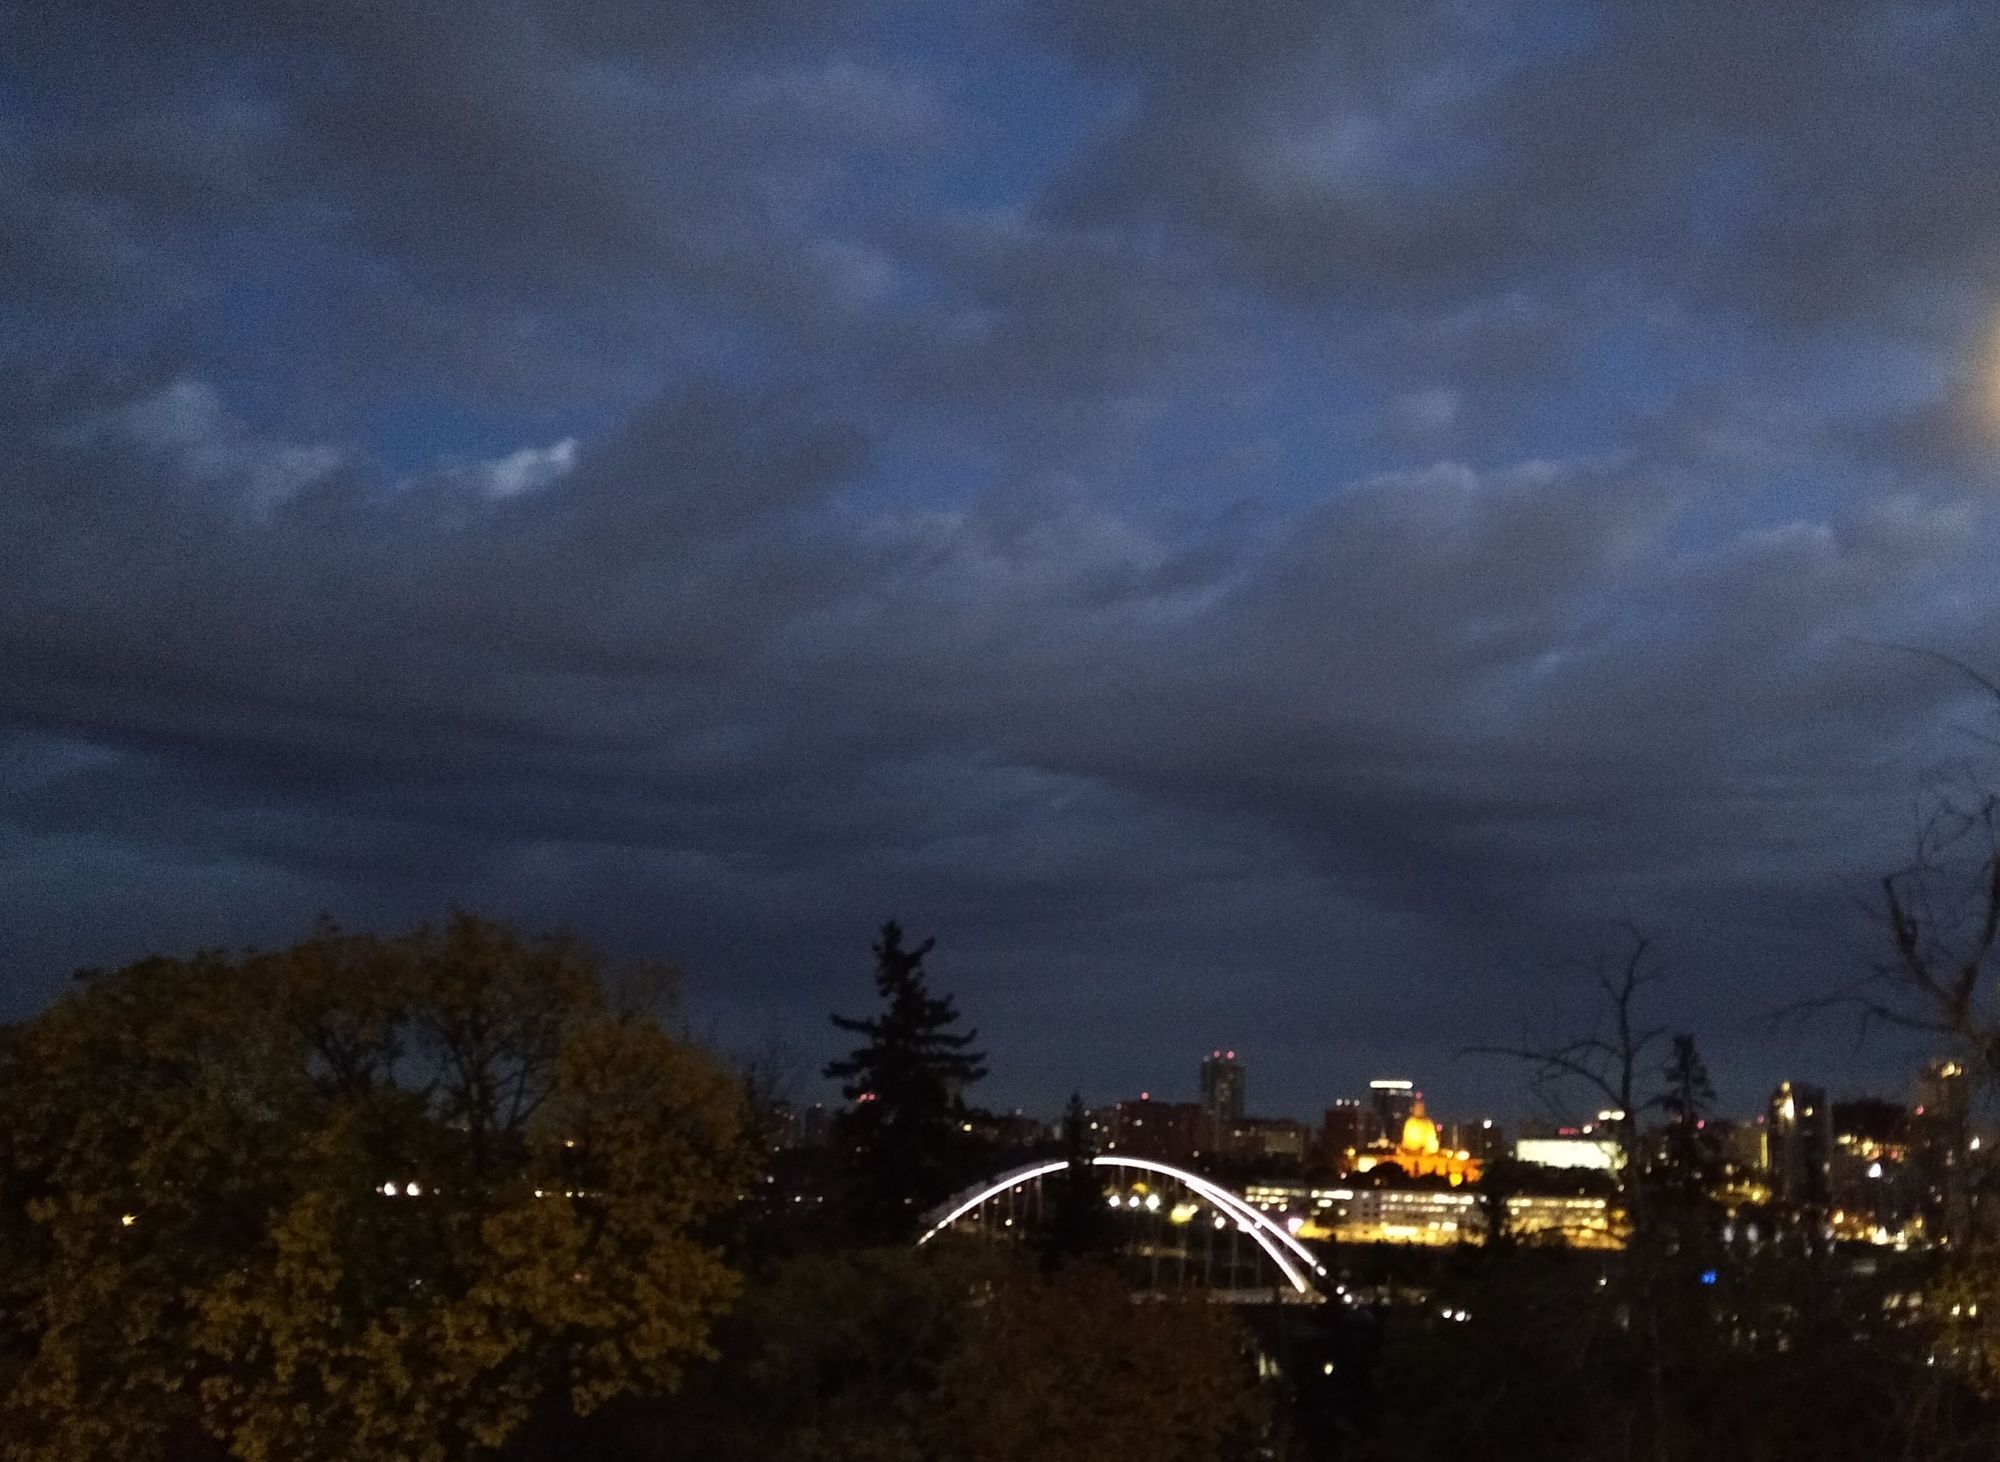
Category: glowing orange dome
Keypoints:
(1420, 1133)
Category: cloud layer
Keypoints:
(1273, 529)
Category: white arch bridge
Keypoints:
(1190, 1230)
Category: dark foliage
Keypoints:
(1079, 1227)
(906, 1083)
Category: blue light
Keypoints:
(1708, 1276)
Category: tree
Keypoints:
(1609, 1065)
(1687, 1164)
(1500, 1180)
(1079, 1227)
(1941, 910)
(1089, 1373)
(962, 1352)
(1941, 913)
(906, 1083)
(362, 1197)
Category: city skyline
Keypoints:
(1542, 1115)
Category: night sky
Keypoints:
(1272, 524)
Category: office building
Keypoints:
(1221, 1094)
(1175, 1132)
(1266, 1139)
(1426, 1215)
(1942, 1145)
(1390, 1103)
(1482, 1139)
(1800, 1138)
(1570, 1148)
(1342, 1134)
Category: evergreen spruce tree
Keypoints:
(1688, 1162)
(1080, 1228)
(1682, 1237)
(906, 1083)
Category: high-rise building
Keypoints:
(1390, 1103)
(1743, 1154)
(1872, 1184)
(1801, 1143)
(1941, 1102)
(1342, 1134)
(1942, 1143)
(1482, 1139)
(1221, 1093)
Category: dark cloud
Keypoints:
(1286, 538)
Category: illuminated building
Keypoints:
(1221, 1095)
(1419, 1153)
(1746, 1146)
(1872, 1184)
(1943, 1094)
(1742, 1160)
(1483, 1139)
(1801, 1144)
(1390, 1101)
(1570, 1148)
(1942, 1143)
(1414, 1215)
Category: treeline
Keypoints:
(1717, 1329)
(464, 1194)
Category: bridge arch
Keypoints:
(1294, 1260)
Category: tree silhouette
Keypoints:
(1688, 1162)
(906, 1083)
(1079, 1226)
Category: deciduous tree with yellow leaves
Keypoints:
(364, 1197)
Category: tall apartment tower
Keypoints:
(1941, 1145)
(1221, 1095)
(1801, 1143)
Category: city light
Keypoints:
(1268, 1235)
